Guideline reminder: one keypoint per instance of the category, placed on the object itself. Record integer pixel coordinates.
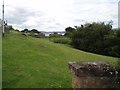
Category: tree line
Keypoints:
(33, 33)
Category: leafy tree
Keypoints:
(35, 31)
(25, 31)
(69, 31)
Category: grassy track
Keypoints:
(38, 63)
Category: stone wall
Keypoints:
(94, 75)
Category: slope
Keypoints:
(38, 63)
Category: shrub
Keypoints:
(98, 38)
(62, 40)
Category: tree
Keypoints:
(35, 31)
(69, 31)
(25, 31)
(91, 37)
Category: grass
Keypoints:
(39, 63)
(0, 58)
(61, 40)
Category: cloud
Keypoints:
(17, 16)
(94, 11)
(56, 15)
(23, 17)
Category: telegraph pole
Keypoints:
(3, 23)
(119, 14)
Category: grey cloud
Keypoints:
(79, 20)
(20, 15)
(59, 24)
(94, 1)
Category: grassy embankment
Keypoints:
(38, 63)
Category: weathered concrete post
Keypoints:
(94, 75)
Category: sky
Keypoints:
(56, 15)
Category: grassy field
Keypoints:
(38, 63)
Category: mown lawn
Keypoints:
(38, 63)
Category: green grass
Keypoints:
(61, 40)
(0, 58)
(39, 63)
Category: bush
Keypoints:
(97, 38)
(62, 40)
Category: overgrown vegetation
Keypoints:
(57, 38)
(97, 38)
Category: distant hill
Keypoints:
(59, 32)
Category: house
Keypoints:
(0, 24)
(7, 27)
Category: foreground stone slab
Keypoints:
(94, 75)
